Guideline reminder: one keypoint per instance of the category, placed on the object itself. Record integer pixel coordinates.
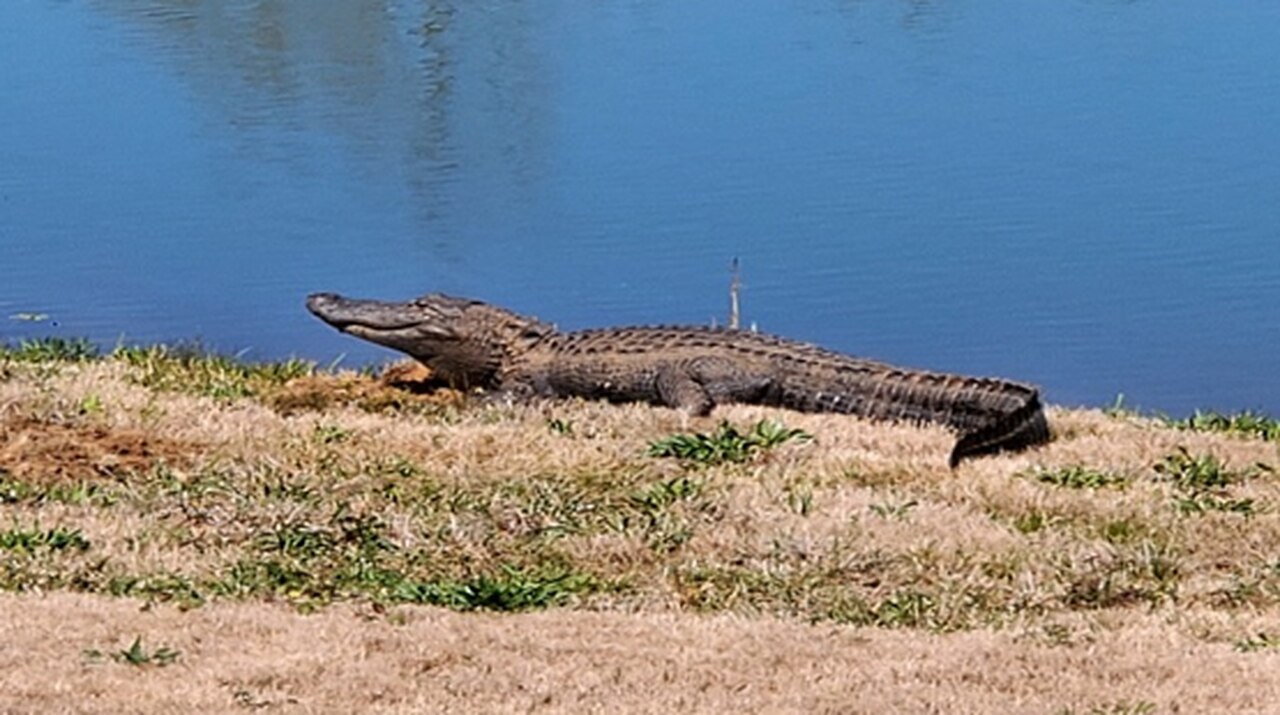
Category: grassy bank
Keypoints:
(194, 482)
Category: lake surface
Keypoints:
(1083, 194)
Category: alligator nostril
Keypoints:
(317, 300)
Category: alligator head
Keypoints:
(465, 342)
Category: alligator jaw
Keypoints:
(395, 325)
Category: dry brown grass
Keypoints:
(262, 657)
(288, 540)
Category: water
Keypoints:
(1080, 194)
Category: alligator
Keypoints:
(471, 344)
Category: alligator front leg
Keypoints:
(700, 384)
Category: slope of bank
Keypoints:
(183, 531)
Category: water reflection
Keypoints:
(460, 104)
(405, 87)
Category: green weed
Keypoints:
(1202, 502)
(659, 496)
(1118, 409)
(396, 466)
(1077, 477)
(727, 443)
(1145, 572)
(50, 350)
(34, 539)
(800, 500)
(315, 563)
(1195, 472)
(14, 491)
(560, 427)
(906, 609)
(1246, 423)
(250, 577)
(346, 533)
(1260, 642)
(330, 434)
(350, 556)
(893, 510)
(91, 405)
(838, 591)
(664, 530)
(1124, 531)
(162, 587)
(138, 656)
(1035, 520)
(298, 541)
(510, 588)
(1202, 483)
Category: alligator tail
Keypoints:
(989, 415)
(1024, 426)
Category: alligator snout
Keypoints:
(318, 303)
(343, 313)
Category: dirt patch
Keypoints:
(48, 452)
(406, 386)
(410, 375)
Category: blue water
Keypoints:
(1082, 194)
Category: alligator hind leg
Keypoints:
(702, 383)
(677, 389)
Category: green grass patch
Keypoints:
(309, 585)
(893, 509)
(351, 556)
(1202, 483)
(560, 427)
(661, 495)
(191, 369)
(34, 539)
(1125, 530)
(1202, 502)
(163, 587)
(509, 588)
(1260, 642)
(16, 491)
(873, 590)
(728, 444)
(1078, 477)
(331, 434)
(1246, 423)
(1190, 472)
(1036, 520)
(136, 655)
(47, 350)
